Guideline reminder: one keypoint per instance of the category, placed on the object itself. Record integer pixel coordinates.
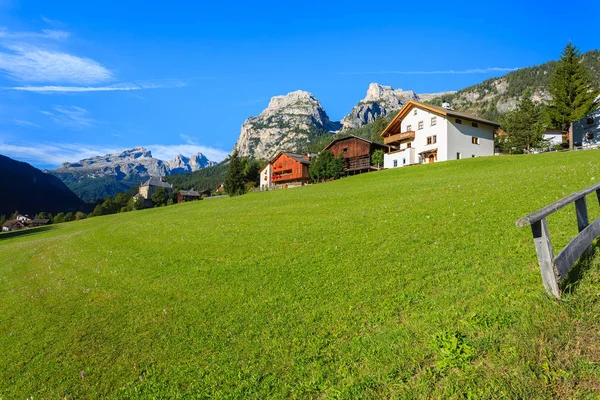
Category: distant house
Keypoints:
(554, 137)
(422, 133)
(12, 225)
(188, 195)
(356, 151)
(149, 187)
(21, 222)
(285, 170)
(586, 131)
(265, 176)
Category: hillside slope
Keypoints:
(493, 97)
(30, 191)
(405, 283)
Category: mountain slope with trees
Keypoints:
(31, 191)
(491, 98)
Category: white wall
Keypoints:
(460, 139)
(581, 130)
(438, 130)
(265, 177)
(402, 158)
(553, 138)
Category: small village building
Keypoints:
(12, 225)
(422, 133)
(357, 153)
(265, 176)
(289, 170)
(188, 195)
(23, 221)
(149, 187)
(586, 131)
(554, 137)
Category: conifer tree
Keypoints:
(572, 88)
(235, 182)
(524, 126)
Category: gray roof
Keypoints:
(157, 182)
(189, 193)
(301, 158)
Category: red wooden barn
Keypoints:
(289, 169)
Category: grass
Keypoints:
(404, 283)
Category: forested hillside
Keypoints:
(492, 97)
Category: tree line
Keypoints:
(574, 93)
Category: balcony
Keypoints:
(396, 138)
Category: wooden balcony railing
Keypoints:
(356, 163)
(398, 137)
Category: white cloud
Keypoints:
(70, 117)
(51, 155)
(33, 64)
(44, 34)
(440, 72)
(21, 122)
(111, 88)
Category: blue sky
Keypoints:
(86, 78)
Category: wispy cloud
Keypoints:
(21, 122)
(70, 117)
(44, 34)
(51, 155)
(438, 72)
(160, 84)
(32, 64)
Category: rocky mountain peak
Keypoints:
(285, 125)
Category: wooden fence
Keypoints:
(554, 269)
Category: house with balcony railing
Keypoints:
(285, 170)
(356, 152)
(423, 133)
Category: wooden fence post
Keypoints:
(543, 247)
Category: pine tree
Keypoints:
(234, 180)
(524, 126)
(572, 88)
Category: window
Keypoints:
(415, 112)
(472, 155)
(590, 120)
(404, 161)
(475, 140)
(408, 145)
(590, 135)
(420, 125)
(458, 156)
(432, 139)
(474, 124)
(408, 127)
(458, 121)
(395, 163)
(433, 121)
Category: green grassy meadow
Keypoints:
(406, 283)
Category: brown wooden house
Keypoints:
(289, 170)
(356, 151)
(188, 195)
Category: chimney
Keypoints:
(446, 104)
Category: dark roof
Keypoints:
(189, 193)
(39, 221)
(355, 137)
(301, 158)
(158, 182)
(460, 114)
(12, 222)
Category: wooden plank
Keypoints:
(582, 213)
(544, 212)
(543, 247)
(565, 260)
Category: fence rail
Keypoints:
(554, 269)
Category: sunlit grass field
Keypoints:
(405, 283)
